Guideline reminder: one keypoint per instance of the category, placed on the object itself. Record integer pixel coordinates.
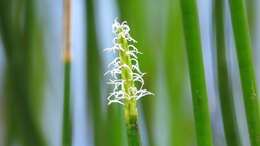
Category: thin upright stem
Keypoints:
(67, 124)
(196, 70)
(246, 67)
(93, 62)
(225, 90)
(134, 11)
(130, 108)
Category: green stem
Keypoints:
(131, 119)
(196, 70)
(225, 90)
(67, 124)
(246, 67)
(134, 11)
(93, 77)
(130, 108)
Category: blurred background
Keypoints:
(32, 71)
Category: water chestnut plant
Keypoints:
(67, 117)
(246, 68)
(127, 79)
(196, 72)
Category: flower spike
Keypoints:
(126, 64)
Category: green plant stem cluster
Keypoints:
(23, 82)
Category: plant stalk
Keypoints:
(130, 108)
(67, 120)
(246, 67)
(196, 70)
(67, 124)
(94, 77)
(134, 11)
(225, 90)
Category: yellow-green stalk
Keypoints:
(125, 73)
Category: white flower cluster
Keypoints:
(118, 94)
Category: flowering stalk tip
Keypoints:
(125, 70)
(126, 75)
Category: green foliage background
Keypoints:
(31, 94)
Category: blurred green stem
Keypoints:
(94, 77)
(225, 90)
(196, 70)
(67, 124)
(246, 67)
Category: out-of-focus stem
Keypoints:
(196, 70)
(93, 77)
(246, 67)
(67, 124)
(225, 91)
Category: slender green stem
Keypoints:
(67, 124)
(196, 70)
(246, 67)
(225, 90)
(131, 119)
(130, 108)
(94, 77)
